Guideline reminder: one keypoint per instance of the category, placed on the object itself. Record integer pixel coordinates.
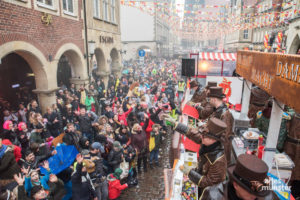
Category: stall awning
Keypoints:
(217, 56)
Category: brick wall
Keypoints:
(24, 24)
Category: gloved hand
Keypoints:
(184, 169)
(169, 121)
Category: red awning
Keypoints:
(217, 56)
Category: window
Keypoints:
(46, 2)
(113, 11)
(68, 6)
(97, 8)
(105, 9)
(246, 33)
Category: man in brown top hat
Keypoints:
(221, 111)
(248, 180)
(258, 101)
(199, 96)
(212, 163)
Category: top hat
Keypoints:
(250, 172)
(259, 96)
(211, 84)
(216, 92)
(215, 128)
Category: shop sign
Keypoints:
(277, 74)
(106, 39)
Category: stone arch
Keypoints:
(295, 45)
(115, 60)
(101, 61)
(75, 59)
(33, 56)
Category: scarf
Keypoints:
(205, 149)
(2, 150)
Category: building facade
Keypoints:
(240, 39)
(103, 28)
(142, 30)
(46, 41)
(293, 33)
(38, 34)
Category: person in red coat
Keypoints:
(16, 149)
(122, 116)
(114, 185)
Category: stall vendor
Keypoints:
(212, 163)
(221, 111)
(247, 180)
(199, 95)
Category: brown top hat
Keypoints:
(211, 84)
(250, 172)
(259, 97)
(194, 83)
(216, 92)
(215, 128)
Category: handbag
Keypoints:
(125, 167)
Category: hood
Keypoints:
(111, 177)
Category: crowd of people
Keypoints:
(116, 131)
(116, 128)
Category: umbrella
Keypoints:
(190, 111)
(125, 71)
(64, 158)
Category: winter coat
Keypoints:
(16, 149)
(124, 116)
(43, 182)
(127, 151)
(226, 191)
(57, 190)
(82, 186)
(97, 175)
(139, 141)
(157, 140)
(24, 140)
(54, 128)
(11, 136)
(8, 164)
(88, 102)
(114, 187)
(85, 123)
(71, 138)
(115, 158)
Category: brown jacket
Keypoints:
(221, 192)
(225, 115)
(211, 168)
(293, 149)
(198, 96)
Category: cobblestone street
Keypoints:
(151, 184)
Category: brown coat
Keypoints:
(198, 96)
(220, 192)
(292, 149)
(211, 168)
(252, 113)
(225, 115)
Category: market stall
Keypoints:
(278, 75)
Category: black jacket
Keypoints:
(82, 186)
(85, 123)
(71, 138)
(115, 158)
